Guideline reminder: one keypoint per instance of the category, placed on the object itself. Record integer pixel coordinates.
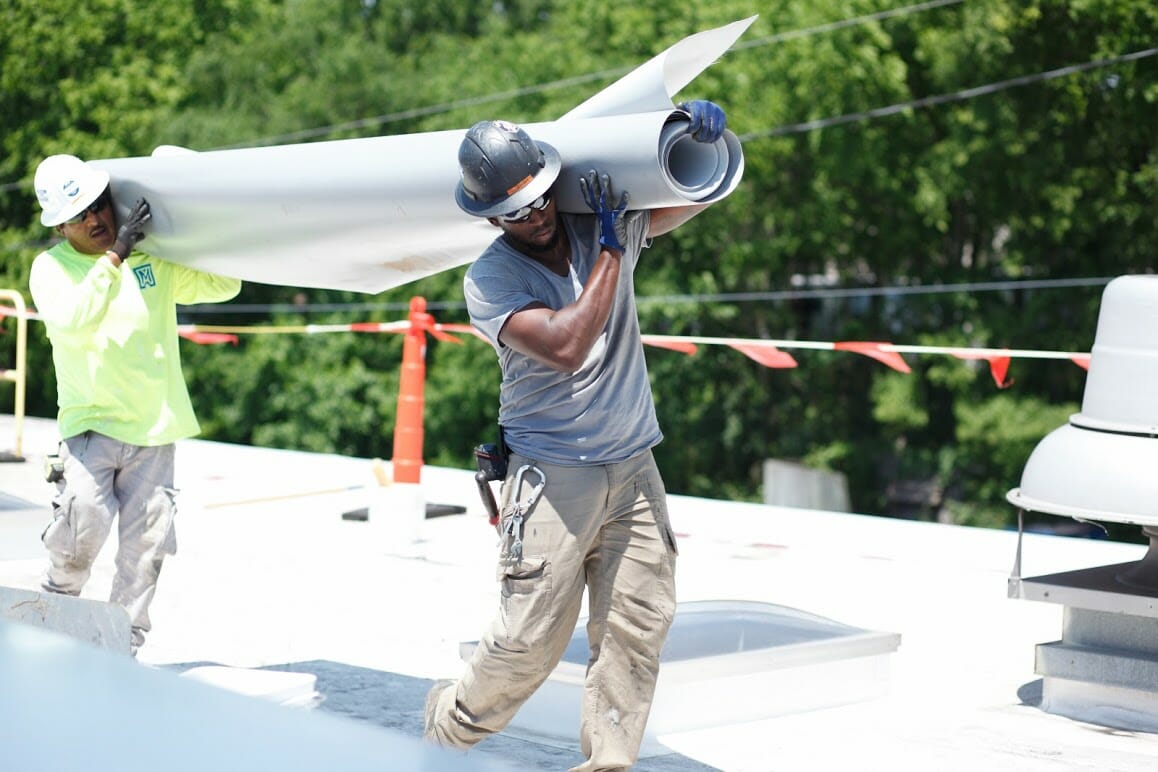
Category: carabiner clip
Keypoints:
(534, 495)
(513, 525)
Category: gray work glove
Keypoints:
(130, 232)
(708, 121)
(613, 221)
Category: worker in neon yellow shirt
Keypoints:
(110, 313)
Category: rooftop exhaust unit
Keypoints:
(1103, 466)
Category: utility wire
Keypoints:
(723, 297)
(939, 99)
(822, 293)
(419, 112)
(780, 37)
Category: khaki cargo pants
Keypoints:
(106, 479)
(603, 528)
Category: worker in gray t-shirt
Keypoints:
(584, 505)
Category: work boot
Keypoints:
(431, 705)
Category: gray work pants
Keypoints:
(601, 527)
(106, 479)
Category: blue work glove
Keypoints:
(596, 189)
(708, 120)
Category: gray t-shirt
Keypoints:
(603, 412)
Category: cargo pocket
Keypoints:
(60, 535)
(525, 607)
(160, 520)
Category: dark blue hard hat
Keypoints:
(503, 169)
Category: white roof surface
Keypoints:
(269, 575)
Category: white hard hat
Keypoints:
(65, 186)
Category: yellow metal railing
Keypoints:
(17, 374)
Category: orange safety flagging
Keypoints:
(874, 350)
(407, 461)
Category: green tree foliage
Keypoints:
(1044, 178)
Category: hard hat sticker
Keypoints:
(520, 185)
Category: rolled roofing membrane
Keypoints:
(375, 213)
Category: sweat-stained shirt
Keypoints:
(114, 341)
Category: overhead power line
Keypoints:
(956, 96)
(780, 37)
(500, 96)
(421, 112)
(722, 297)
(825, 293)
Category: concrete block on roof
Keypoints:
(791, 484)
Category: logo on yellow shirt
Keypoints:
(145, 277)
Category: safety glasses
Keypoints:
(96, 206)
(523, 214)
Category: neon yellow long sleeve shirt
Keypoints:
(114, 341)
